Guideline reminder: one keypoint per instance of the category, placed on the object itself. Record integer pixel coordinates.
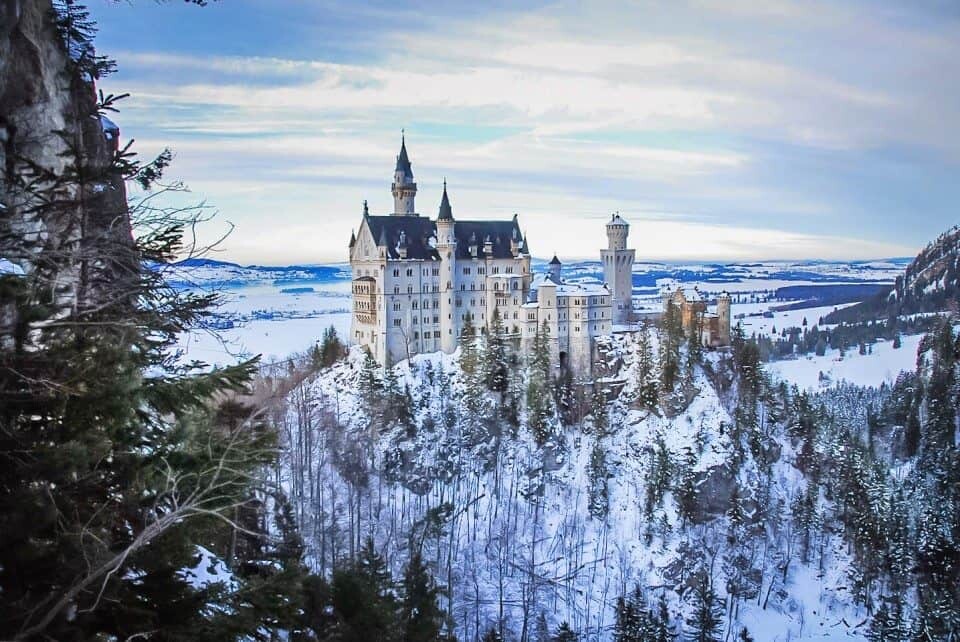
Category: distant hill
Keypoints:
(930, 283)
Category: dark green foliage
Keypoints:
(598, 501)
(540, 408)
(420, 616)
(648, 384)
(330, 350)
(637, 621)
(496, 362)
(671, 338)
(705, 622)
(564, 634)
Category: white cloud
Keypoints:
(558, 83)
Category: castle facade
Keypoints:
(416, 281)
(712, 328)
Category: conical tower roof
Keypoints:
(446, 212)
(403, 161)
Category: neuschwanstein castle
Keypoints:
(417, 280)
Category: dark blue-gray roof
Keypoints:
(403, 161)
(418, 232)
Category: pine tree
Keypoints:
(421, 617)
(330, 351)
(662, 622)
(671, 337)
(540, 409)
(497, 373)
(564, 634)
(598, 502)
(647, 384)
(705, 622)
(889, 623)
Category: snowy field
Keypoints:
(864, 370)
(272, 319)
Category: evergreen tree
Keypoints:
(496, 363)
(671, 337)
(598, 501)
(540, 409)
(421, 617)
(648, 391)
(330, 350)
(564, 634)
(114, 458)
(888, 623)
(704, 624)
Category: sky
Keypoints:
(720, 129)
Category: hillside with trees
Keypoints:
(930, 283)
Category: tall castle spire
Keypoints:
(403, 188)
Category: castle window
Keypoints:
(396, 289)
(496, 270)
(509, 269)
(436, 319)
(466, 270)
(463, 287)
(436, 334)
(481, 270)
(396, 273)
(409, 289)
(416, 335)
(396, 307)
(396, 322)
(415, 320)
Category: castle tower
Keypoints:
(403, 188)
(555, 268)
(618, 269)
(723, 318)
(447, 248)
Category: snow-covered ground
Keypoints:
(865, 370)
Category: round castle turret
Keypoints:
(617, 231)
(618, 268)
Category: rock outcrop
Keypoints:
(62, 202)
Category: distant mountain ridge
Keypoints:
(648, 276)
(930, 283)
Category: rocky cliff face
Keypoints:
(63, 204)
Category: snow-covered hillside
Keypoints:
(624, 496)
